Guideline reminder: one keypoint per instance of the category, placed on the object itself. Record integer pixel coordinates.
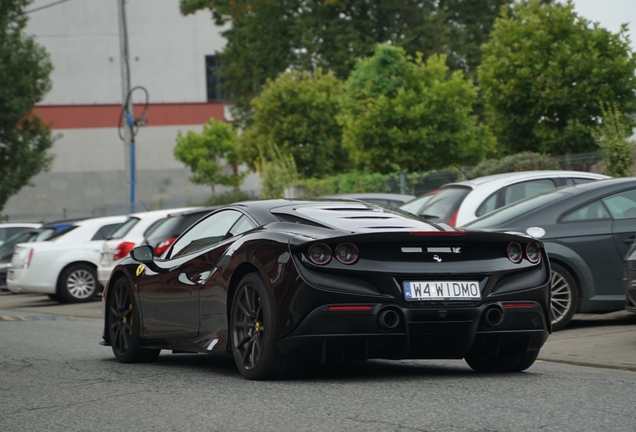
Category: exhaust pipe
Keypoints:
(388, 319)
(492, 316)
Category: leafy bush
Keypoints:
(276, 170)
(352, 182)
(612, 137)
(526, 161)
(228, 197)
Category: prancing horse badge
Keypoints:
(140, 269)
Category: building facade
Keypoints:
(172, 56)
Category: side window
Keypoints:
(622, 205)
(206, 233)
(241, 226)
(593, 211)
(519, 191)
(488, 206)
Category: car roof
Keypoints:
(524, 175)
(379, 195)
(20, 224)
(570, 197)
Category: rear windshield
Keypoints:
(416, 204)
(514, 210)
(123, 229)
(51, 234)
(442, 206)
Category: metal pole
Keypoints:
(129, 143)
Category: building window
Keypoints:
(213, 78)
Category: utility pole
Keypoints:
(127, 105)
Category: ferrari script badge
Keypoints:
(140, 269)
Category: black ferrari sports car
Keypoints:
(276, 283)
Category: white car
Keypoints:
(65, 266)
(457, 204)
(130, 234)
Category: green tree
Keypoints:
(545, 73)
(612, 136)
(201, 153)
(297, 112)
(268, 37)
(404, 114)
(24, 80)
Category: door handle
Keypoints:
(629, 240)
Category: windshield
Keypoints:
(444, 203)
(514, 210)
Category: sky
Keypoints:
(610, 14)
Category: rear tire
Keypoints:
(564, 297)
(251, 334)
(503, 364)
(78, 284)
(123, 326)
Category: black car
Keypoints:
(171, 227)
(276, 283)
(630, 280)
(587, 230)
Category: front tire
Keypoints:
(564, 297)
(78, 284)
(251, 332)
(123, 326)
(503, 364)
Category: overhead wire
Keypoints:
(55, 3)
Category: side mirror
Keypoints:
(144, 254)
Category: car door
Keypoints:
(170, 301)
(587, 230)
(622, 207)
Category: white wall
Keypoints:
(167, 50)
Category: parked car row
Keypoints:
(586, 221)
(71, 260)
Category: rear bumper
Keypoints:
(25, 281)
(431, 333)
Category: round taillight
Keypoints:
(347, 253)
(515, 253)
(319, 254)
(533, 252)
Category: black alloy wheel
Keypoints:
(251, 326)
(503, 364)
(564, 297)
(123, 326)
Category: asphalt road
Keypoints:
(55, 377)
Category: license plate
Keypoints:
(441, 290)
